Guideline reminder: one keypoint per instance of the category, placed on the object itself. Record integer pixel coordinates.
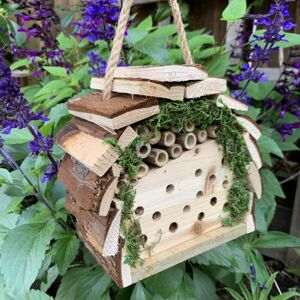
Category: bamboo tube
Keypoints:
(188, 140)
(175, 151)
(167, 138)
(154, 137)
(158, 157)
(143, 151)
(134, 181)
(201, 135)
(211, 130)
(142, 131)
(121, 183)
(143, 170)
(189, 127)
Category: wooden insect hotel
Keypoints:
(160, 166)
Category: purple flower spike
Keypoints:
(41, 144)
(50, 172)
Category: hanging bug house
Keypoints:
(160, 166)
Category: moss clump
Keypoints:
(130, 227)
(128, 159)
(204, 113)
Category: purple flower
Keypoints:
(39, 20)
(252, 271)
(50, 172)
(98, 64)
(15, 110)
(99, 20)
(263, 286)
(288, 129)
(40, 144)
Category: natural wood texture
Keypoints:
(249, 125)
(108, 197)
(209, 86)
(85, 187)
(171, 73)
(142, 87)
(116, 106)
(93, 153)
(188, 175)
(231, 103)
(250, 225)
(254, 180)
(111, 243)
(127, 137)
(117, 112)
(181, 252)
(253, 150)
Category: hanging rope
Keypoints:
(119, 39)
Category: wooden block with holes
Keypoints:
(181, 187)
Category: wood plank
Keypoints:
(171, 73)
(114, 107)
(142, 87)
(118, 112)
(127, 137)
(107, 197)
(177, 254)
(231, 103)
(209, 86)
(251, 126)
(254, 180)
(93, 153)
(253, 150)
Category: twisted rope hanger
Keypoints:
(119, 39)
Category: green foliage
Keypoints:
(235, 10)
(84, 283)
(22, 254)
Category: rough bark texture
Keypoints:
(117, 105)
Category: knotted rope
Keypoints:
(119, 39)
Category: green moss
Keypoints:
(128, 159)
(203, 113)
(127, 195)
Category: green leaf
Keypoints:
(271, 183)
(22, 254)
(21, 63)
(135, 35)
(206, 53)
(51, 87)
(20, 37)
(205, 287)
(197, 42)
(17, 136)
(276, 239)
(140, 293)
(234, 294)
(56, 71)
(186, 290)
(67, 19)
(259, 90)
(221, 256)
(245, 292)
(5, 177)
(65, 250)
(146, 24)
(267, 145)
(218, 66)
(285, 296)
(235, 10)
(166, 282)
(64, 93)
(269, 284)
(83, 283)
(37, 295)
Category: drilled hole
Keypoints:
(186, 209)
(144, 238)
(223, 161)
(173, 227)
(144, 149)
(212, 178)
(170, 188)
(156, 216)
(197, 150)
(226, 206)
(201, 216)
(225, 184)
(203, 134)
(199, 194)
(213, 201)
(139, 211)
(198, 172)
